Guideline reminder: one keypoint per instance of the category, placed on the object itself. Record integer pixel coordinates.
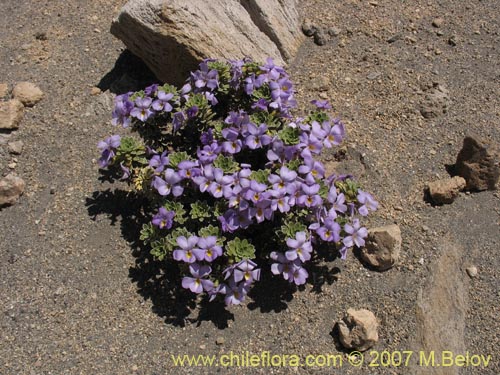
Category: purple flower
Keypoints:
(126, 172)
(367, 201)
(292, 271)
(121, 113)
(246, 271)
(313, 170)
(191, 112)
(256, 192)
(334, 134)
(321, 104)
(142, 109)
(235, 293)
(357, 234)
(330, 231)
(337, 200)
(151, 90)
(209, 153)
(178, 120)
(162, 103)
(300, 247)
(186, 253)
(170, 184)
(208, 249)
(257, 136)
(189, 169)
(220, 184)
(164, 218)
(205, 77)
(310, 196)
(107, 148)
(159, 162)
(198, 282)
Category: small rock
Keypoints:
(478, 162)
(4, 90)
(52, 190)
(373, 75)
(135, 368)
(437, 22)
(95, 91)
(41, 35)
(382, 247)
(28, 93)
(395, 38)
(202, 346)
(452, 41)
(11, 188)
(308, 28)
(321, 83)
(436, 102)
(445, 191)
(11, 113)
(334, 31)
(471, 271)
(358, 330)
(320, 38)
(12, 165)
(220, 340)
(16, 147)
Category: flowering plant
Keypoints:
(224, 154)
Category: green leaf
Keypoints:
(147, 233)
(200, 210)
(289, 135)
(178, 208)
(290, 228)
(239, 249)
(318, 116)
(211, 230)
(176, 157)
(349, 188)
(226, 163)
(260, 176)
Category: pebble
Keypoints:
(11, 113)
(16, 147)
(11, 187)
(395, 38)
(95, 91)
(308, 27)
(334, 31)
(425, 228)
(471, 271)
(220, 340)
(320, 38)
(452, 41)
(28, 93)
(437, 22)
(202, 346)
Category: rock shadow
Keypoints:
(130, 73)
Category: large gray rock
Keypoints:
(172, 36)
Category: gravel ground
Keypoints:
(78, 296)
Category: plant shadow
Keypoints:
(159, 281)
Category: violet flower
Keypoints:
(107, 148)
(142, 109)
(164, 218)
(300, 247)
(198, 283)
(186, 253)
(357, 234)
